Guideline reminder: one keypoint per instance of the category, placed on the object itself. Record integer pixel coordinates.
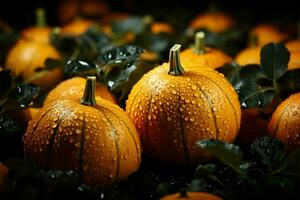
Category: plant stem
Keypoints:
(40, 18)
(88, 98)
(199, 43)
(174, 61)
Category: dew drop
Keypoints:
(169, 118)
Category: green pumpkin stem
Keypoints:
(88, 98)
(174, 61)
(200, 43)
(40, 18)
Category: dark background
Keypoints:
(21, 13)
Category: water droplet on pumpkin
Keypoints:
(173, 91)
(78, 131)
(54, 125)
(169, 118)
(194, 87)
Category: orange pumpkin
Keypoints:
(27, 56)
(202, 55)
(73, 88)
(251, 55)
(161, 27)
(92, 136)
(191, 196)
(77, 27)
(213, 21)
(173, 109)
(266, 33)
(69, 9)
(3, 175)
(40, 32)
(293, 45)
(285, 122)
(253, 125)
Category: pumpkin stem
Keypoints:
(200, 43)
(174, 59)
(40, 18)
(88, 98)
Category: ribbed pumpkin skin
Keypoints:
(192, 196)
(213, 21)
(173, 112)
(100, 142)
(26, 56)
(73, 89)
(213, 58)
(285, 122)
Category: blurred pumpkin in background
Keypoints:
(40, 32)
(191, 196)
(77, 27)
(262, 34)
(201, 55)
(293, 45)
(68, 10)
(251, 55)
(27, 56)
(214, 21)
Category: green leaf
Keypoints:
(253, 99)
(6, 82)
(292, 164)
(51, 63)
(228, 154)
(269, 152)
(132, 24)
(121, 82)
(79, 67)
(23, 94)
(208, 172)
(120, 55)
(8, 126)
(274, 59)
(289, 83)
(231, 71)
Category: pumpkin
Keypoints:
(161, 27)
(202, 55)
(73, 88)
(266, 33)
(251, 55)
(40, 32)
(27, 56)
(293, 45)
(173, 109)
(93, 8)
(253, 125)
(3, 174)
(191, 196)
(285, 122)
(90, 135)
(69, 9)
(77, 27)
(214, 21)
